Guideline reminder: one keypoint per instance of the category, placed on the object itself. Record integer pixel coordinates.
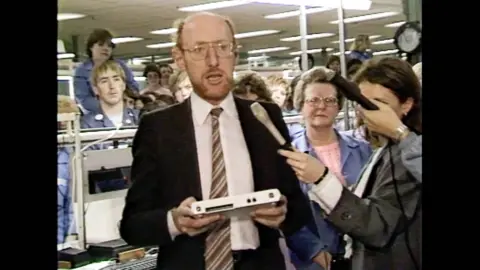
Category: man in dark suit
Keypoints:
(206, 147)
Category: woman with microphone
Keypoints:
(382, 213)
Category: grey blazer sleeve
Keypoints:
(411, 153)
(377, 219)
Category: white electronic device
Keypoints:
(233, 205)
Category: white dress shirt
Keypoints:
(244, 234)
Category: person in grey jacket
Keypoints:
(381, 216)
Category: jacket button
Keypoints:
(346, 216)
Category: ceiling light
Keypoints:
(383, 42)
(161, 45)
(214, 5)
(164, 59)
(311, 36)
(266, 50)
(348, 40)
(256, 33)
(65, 55)
(312, 51)
(166, 31)
(69, 16)
(125, 39)
(386, 52)
(395, 24)
(295, 13)
(262, 57)
(369, 17)
(347, 4)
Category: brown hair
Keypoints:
(314, 75)
(175, 79)
(398, 76)
(98, 36)
(252, 82)
(331, 59)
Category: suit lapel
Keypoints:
(184, 147)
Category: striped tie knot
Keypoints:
(215, 112)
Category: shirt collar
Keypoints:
(201, 108)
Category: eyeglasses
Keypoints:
(222, 49)
(328, 101)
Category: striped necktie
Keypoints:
(218, 251)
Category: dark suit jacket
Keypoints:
(165, 172)
(376, 223)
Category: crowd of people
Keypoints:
(346, 180)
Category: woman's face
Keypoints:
(321, 105)
(129, 102)
(165, 72)
(153, 78)
(335, 66)
(138, 104)
(279, 94)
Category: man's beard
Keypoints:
(200, 89)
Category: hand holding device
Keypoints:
(307, 168)
(187, 222)
(324, 259)
(382, 121)
(272, 215)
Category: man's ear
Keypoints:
(95, 90)
(178, 57)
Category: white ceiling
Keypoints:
(139, 17)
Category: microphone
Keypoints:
(262, 116)
(349, 89)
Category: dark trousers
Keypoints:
(258, 259)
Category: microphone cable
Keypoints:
(402, 209)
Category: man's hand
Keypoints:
(192, 225)
(384, 121)
(271, 216)
(307, 168)
(324, 259)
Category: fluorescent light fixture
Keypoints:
(369, 17)
(164, 59)
(262, 57)
(69, 16)
(166, 31)
(312, 51)
(214, 5)
(347, 4)
(338, 53)
(125, 39)
(161, 45)
(267, 50)
(395, 24)
(383, 42)
(348, 40)
(169, 31)
(296, 13)
(386, 52)
(256, 33)
(65, 55)
(311, 36)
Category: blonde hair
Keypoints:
(98, 70)
(276, 80)
(361, 43)
(175, 79)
